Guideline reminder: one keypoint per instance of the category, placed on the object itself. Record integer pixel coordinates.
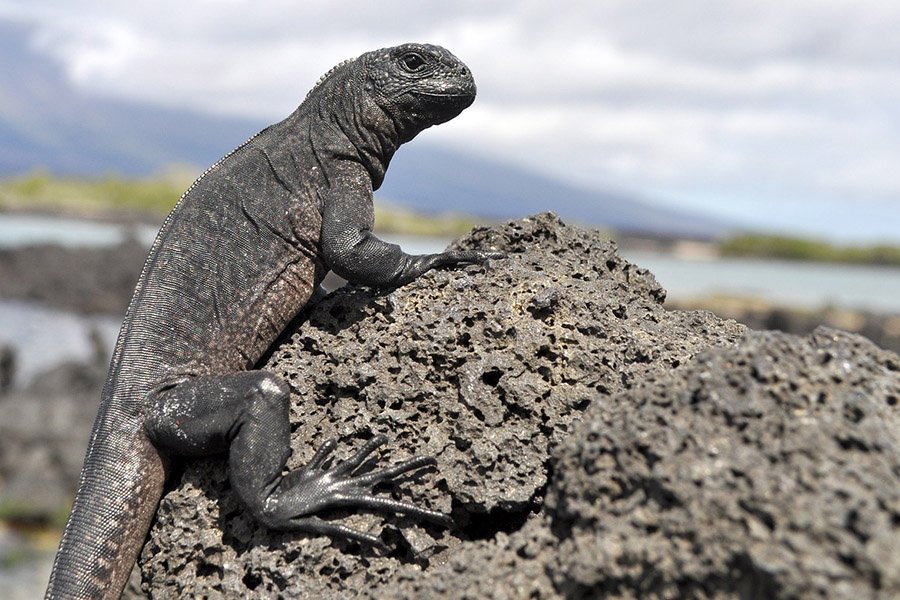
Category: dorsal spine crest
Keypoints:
(328, 74)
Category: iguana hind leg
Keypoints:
(247, 414)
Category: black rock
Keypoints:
(44, 430)
(83, 280)
(765, 470)
(489, 369)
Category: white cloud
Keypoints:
(682, 98)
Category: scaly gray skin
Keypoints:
(233, 264)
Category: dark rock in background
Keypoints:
(881, 328)
(44, 430)
(83, 280)
(7, 368)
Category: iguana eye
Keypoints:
(412, 62)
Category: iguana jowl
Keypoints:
(233, 264)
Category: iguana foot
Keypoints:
(316, 487)
(456, 257)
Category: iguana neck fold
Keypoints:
(365, 131)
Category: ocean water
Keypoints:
(44, 337)
(23, 230)
(798, 284)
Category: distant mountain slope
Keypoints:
(430, 179)
(46, 123)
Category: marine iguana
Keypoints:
(234, 262)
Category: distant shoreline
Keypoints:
(146, 201)
(124, 200)
(783, 247)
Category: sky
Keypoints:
(783, 115)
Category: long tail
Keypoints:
(121, 484)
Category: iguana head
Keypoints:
(418, 85)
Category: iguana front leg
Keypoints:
(352, 251)
(246, 414)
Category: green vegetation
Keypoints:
(154, 197)
(41, 191)
(27, 514)
(791, 248)
(393, 219)
(15, 557)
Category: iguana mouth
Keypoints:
(445, 95)
(459, 100)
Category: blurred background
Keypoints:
(746, 152)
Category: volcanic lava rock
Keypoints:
(588, 441)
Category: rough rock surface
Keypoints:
(766, 470)
(588, 441)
